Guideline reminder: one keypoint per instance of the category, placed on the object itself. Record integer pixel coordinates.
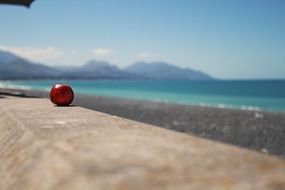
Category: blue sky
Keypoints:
(229, 39)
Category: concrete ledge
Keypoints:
(46, 147)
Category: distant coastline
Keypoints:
(14, 67)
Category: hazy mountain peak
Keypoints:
(7, 57)
(94, 64)
(163, 70)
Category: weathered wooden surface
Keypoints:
(46, 147)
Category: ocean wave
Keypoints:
(228, 106)
(250, 108)
(9, 85)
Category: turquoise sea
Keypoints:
(247, 94)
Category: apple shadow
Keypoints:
(65, 106)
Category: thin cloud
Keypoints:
(102, 52)
(74, 52)
(145, 55)
(35, 54)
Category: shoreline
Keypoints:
(230, 101)
(218, 106)
(254, 129)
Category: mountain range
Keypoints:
(15, 67)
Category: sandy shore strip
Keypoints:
(259, 130)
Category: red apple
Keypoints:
(61, 95)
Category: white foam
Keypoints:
(250, 108)
(221, 106)
(9, 85)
